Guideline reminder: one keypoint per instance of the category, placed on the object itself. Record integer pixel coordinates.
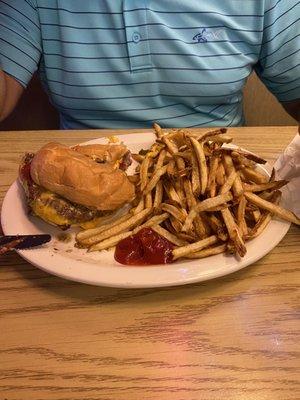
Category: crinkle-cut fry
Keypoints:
(228, 182)
(159, 190)
(220, 176)
(155, 178)
(273, 208)
(255, 176)
(110, 242)
(204, 135)
(83, 235)
(203, 206)
(144, 171)
(241, 216)
(210, 251)
(234, 232)
(112, 231)
(148, 200)
(199, 151)
(169, 236)
(213, 167)
(237, 186)
(176, 212)
(160, 160)
(273, 185)
(158, 131)
(155, 220)
(193, 247)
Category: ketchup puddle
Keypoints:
(144, 248)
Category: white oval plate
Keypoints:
(100, 268)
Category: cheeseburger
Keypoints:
(72, 186)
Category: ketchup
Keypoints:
(145, 248)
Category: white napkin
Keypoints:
(288, 167)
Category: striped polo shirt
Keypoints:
(127, 63)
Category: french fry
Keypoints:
(140, 206)
(254, 175)
(169, 236)
(160, 160)
(198, 148)
(177, 213)
(241, 216)
(123, 226)
(229, 168)
(83, 235)
(203, 206)
(158, 130)
(155, 220)
(234, 232)
(144, 172)
(155, 178)
(229, 182)
(193, 247)
(148, 200)
(256, 215)
(195, 175)
(158, 195)
(213, 167)
(220, 176)
(205, 135)
(273, 208)
(110, 242)
(211, 251)
(273, 185)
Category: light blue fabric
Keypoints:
(125, 64)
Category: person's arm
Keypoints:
(279, 62)
(10, 92)
(293, 108)
(20, 50)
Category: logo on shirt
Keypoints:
(205, 35)
(201, 36)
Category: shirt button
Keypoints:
(136, 37)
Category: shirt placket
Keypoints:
(135, 20)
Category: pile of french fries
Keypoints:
(203, 196)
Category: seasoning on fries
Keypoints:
(202, 197)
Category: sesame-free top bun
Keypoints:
(79, 179)
(103, 152)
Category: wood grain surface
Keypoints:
(234, 338)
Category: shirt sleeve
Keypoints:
(279, 63)
(20, 39)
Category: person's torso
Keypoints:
(127, 63)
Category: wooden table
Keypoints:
(232, 338)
